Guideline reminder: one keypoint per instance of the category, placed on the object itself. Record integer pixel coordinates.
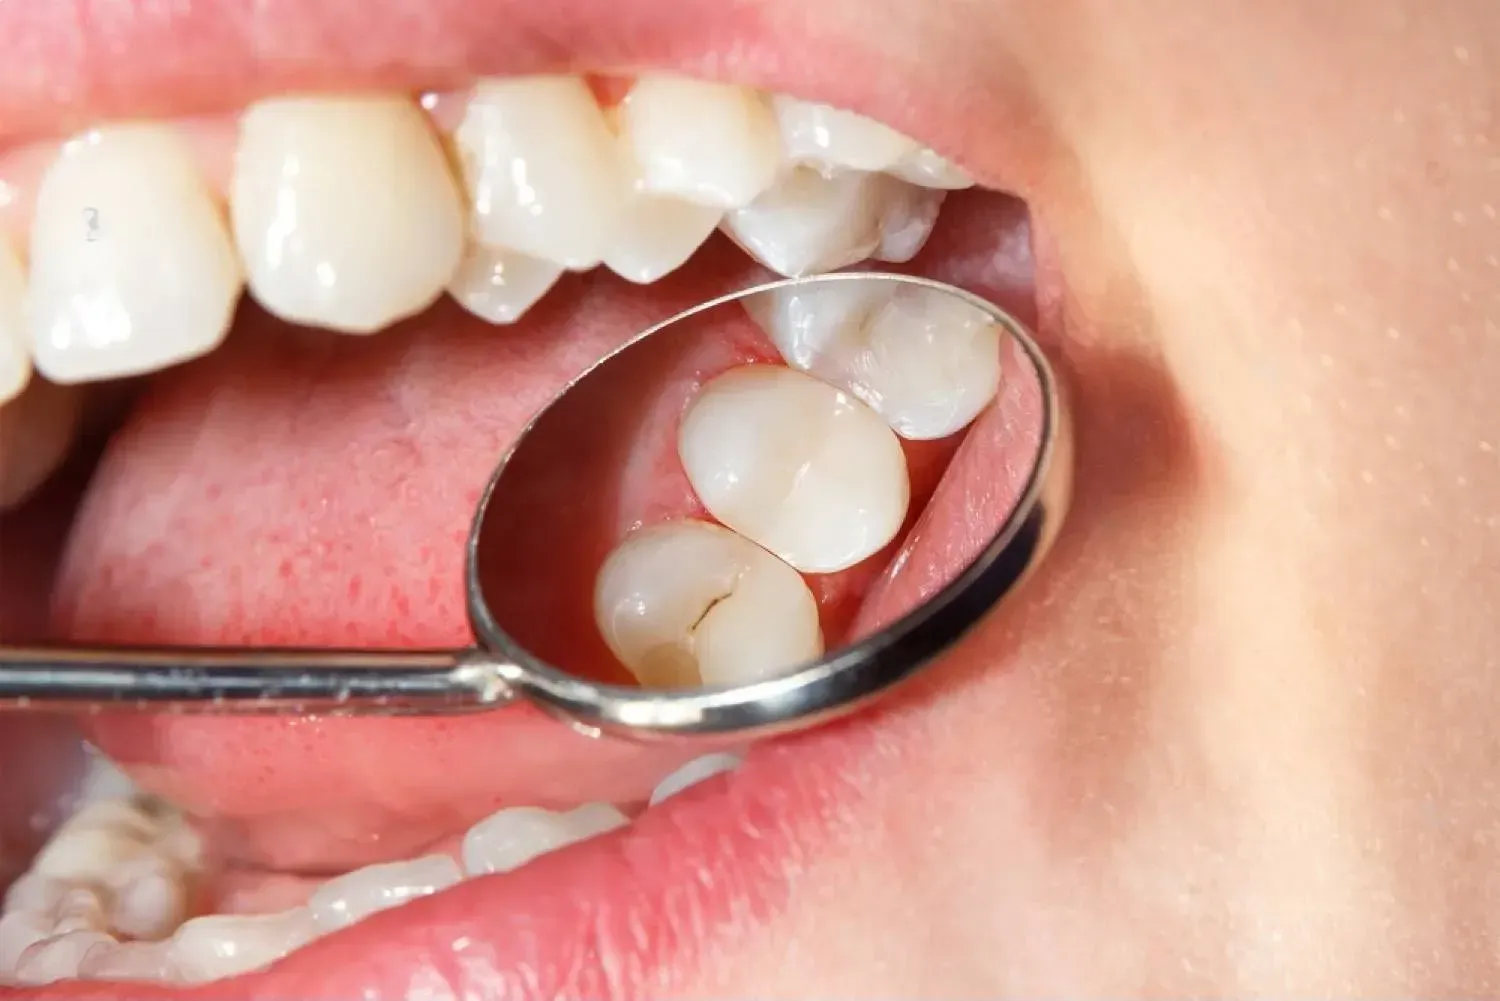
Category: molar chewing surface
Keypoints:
(106, 898)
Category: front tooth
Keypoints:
(926, 168)
(796, 465)
(810, 223)
(37, 430)
(543, 174)
(345, 211)
(15, 355)
(223, 945)
(689, 603)
(710, 143)
(822, 134)
(131, 267)
(926, 362)
(354, 896)
(499, 286)
(515, 836)
(658, 235)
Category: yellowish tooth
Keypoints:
(499, 286)
(37, 430)
(15, 356)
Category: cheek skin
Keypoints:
(1240, 738)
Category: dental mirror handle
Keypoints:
(249, 682)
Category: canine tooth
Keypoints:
(910, 214)
(132, 269)
(542, 171)
(796, 465)
(658, 235)
(823, 134)
(499, 286)
(695, 771)
(59, 957)
(37, 430)
(811, 223)
(15, 354)
(710, 143)
(690, 603)
(223, 945)
(344, 210)
(926, 168)
(354, 896)
(510, 838)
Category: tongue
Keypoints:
(301, 488)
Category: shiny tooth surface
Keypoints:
(690, 603)
(543, 174)
(510, 838)
(658, 236)
(926, 168)
(130, 961)
(710, 143)
(349, 898)
(695, 771)
(822, 134)
(926, 363)
(796, 465)
(132, 269)
(223, 945)
(37, 430)
(809, 223)
(15, 353)
(909, 215)
(345, 211)
(499, 286)
(59, 957)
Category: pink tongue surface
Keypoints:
(302, 488)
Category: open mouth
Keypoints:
(186, 288)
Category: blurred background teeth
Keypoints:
(37, 431)
(15, 355)
(345, 211)
(821, 134)
(499, 286)
(541, 169)
(131, 267)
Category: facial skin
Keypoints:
(1237, 738)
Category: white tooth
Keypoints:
(543, 174)
(926, 168)
(37, 430)
(499, 286)
(131, 267)
(58, 958)
(822, 134)
(658, 236)
(149, 897)
(15, 354)
(689, 603)
(910, 214)
(354, 896)
(129, 961)
(223, 945)
(927, 363)
(19, 931)
(810, 223)
(514, 836)
(710, 143)
(345, 211)
(98, 839)
(804, 469)
(695, 771)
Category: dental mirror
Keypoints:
(751, 518)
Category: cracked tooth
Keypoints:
(15, 356)
(345, 211)
(542, 170)
(709, 143)
(690, 603)
(131, 267)
(658, 236)
(796, 465)
(829, 136)
(37, 430)
(926, 168)
(499, 286)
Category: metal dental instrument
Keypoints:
(504, 587)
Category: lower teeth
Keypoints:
(106, 898)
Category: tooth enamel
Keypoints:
(821, 134)
(796, 465)
(15, 355)
(690, 603)
(543, 175)
(695, 771)
(499, 286)
(709, 143)
(910, 214)
(131, 267)
(657, 237)
(354, 896)
(809, 223)
(926, 363)
(515, 836)
(223, 945)
(345, 211)
(129, 961)
(926, 168)
(19, 931)
(37, 430)
(58, 958)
